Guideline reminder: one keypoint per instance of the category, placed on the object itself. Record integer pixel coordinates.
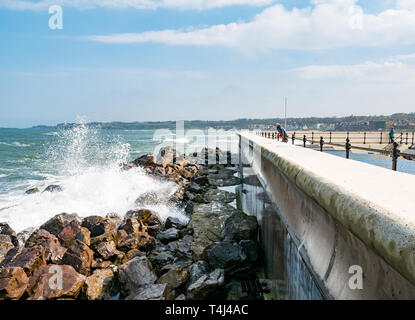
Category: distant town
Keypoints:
(400, 121)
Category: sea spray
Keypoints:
(85, 162)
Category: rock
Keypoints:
(147, 216)
(106, 237)
(22, 236)
(79, 256)
(251, 249)
(228, 256)
(149, 199)
(99, 225)
(161, 257)
(53, 281)
(6, 230)
(136, 273)
(53, 250)
(29, 259)
(175, 277)
(168, 155)
(194, 188)
(13, 283)
(152, 292)
(168, 235)
(220, 196)
(5, 246)
(132, 226)
(84, 235)
(239, 227)
(207, 223)
(223, 180)
(202, 180)
(32, 191)
(98, 285)
(154, 229)
(108, 250)
(132, 254)
(53, 188)
(69, 232)
(252, 180)
(182, 246)
(207, 287)
(181, 297)
(197, 270)
(174, 223)
(147, 160)
(141, 240)
(58, 222)
(98, 263)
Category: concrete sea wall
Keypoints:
(340, 215)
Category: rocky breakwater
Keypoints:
(139, 256)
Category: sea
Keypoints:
(86, 162)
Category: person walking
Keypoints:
(392, 135)
(281, 132)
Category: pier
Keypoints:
(330, 220)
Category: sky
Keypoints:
(157, 60)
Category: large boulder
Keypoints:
(140, 240)
(13, 283)
(223, 180)
(108, 250)
(53, 188)
(99, 225)
(29, 259)
(220, 196)
(228, 256)
(197, 270)
(175, 277)
(207, 223)
(53, 281)
(79, 256)
(152, 292)
(5, 246)
(168, 235)
(136, 273)
(98, 285)
(147, 160)
(69, 232)
(239, 226)
(172, 222)
(53, 250)
(207, 287)
(150, 198)
(146, 216)
(131, 225)
(56, 224)
(6, 230)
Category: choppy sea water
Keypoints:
(86, 163)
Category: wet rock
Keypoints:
(147, 160)
(202, 180)
(108, 250)
(106, 237)
(168, 235)
(79, 256)
(136, 273)
(132, 254)
(251, 249)
(32, 191)
(174, 223)
(239, 226)
(54, 252)
(207, 223)
(53, 188)
(58, 222)
(98, 285)
(69, 232)
(53, 281)
(150, 199)
(98, 263)
(175, 277)
(220, 196)
(223, 180)
(132, 226)
(13, 283)
(168, 155)
(99, 225)
(84, 235)
(29, 259)
(197, 270)
(5, 246)
(152, 292)
(208, 286)
(22, 236)
(182, 246)
(194, 187)
(161, 257)
(6, 230)
(181, 297)
(146, 216)
(140, 240)
(228, 256)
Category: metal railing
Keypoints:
(395, 153)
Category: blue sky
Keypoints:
(150, 60)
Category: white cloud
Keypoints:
(124, 4)
(327, 24)
(397, 70)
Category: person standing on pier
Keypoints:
(392, 135)
(282, 132)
